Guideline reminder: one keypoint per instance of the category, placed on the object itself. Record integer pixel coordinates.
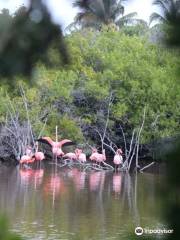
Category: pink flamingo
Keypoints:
(98, 157)
(80, 155)
(118, 158)
(56, 145)
(93, 155)
(28, 157)
(70, 155)
(77, 155)
(39, 156)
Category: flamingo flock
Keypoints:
(34, 155)
(30, 156)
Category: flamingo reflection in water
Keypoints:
(54, 186)
(26, 176)
(117, 183)
(79, 178)
(96, 180)
(32, 176)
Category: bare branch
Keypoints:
(107, 119)
(141, 170)
(125, 145)
(27, 114)
(130, 161)
(139, 134)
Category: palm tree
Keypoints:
(94, 13)
(169, 19)
(170, 11)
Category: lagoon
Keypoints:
(70, 204)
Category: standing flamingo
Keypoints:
(39, 156)
(80, 155)
(118, 158)
(56, 145)
(98, 157)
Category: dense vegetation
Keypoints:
(111, 74)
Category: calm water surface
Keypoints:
(70, 204)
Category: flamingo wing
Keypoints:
(65, 142)
(46, 140)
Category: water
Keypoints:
(70, 204)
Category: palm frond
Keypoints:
(126, 19)
(97, 7)
(71, 27)
(105, 11)
(116, 11)
(163, 4)
(156, 17)
(84, 16)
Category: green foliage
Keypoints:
(136, 72)
(169, 19)
(67, 128)
(140, 29)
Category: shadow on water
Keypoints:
(49, 203)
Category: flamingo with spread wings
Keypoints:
(56, 146)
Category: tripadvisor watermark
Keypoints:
(139, 231)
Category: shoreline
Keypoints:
(156, 168)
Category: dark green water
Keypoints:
(75, 205)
